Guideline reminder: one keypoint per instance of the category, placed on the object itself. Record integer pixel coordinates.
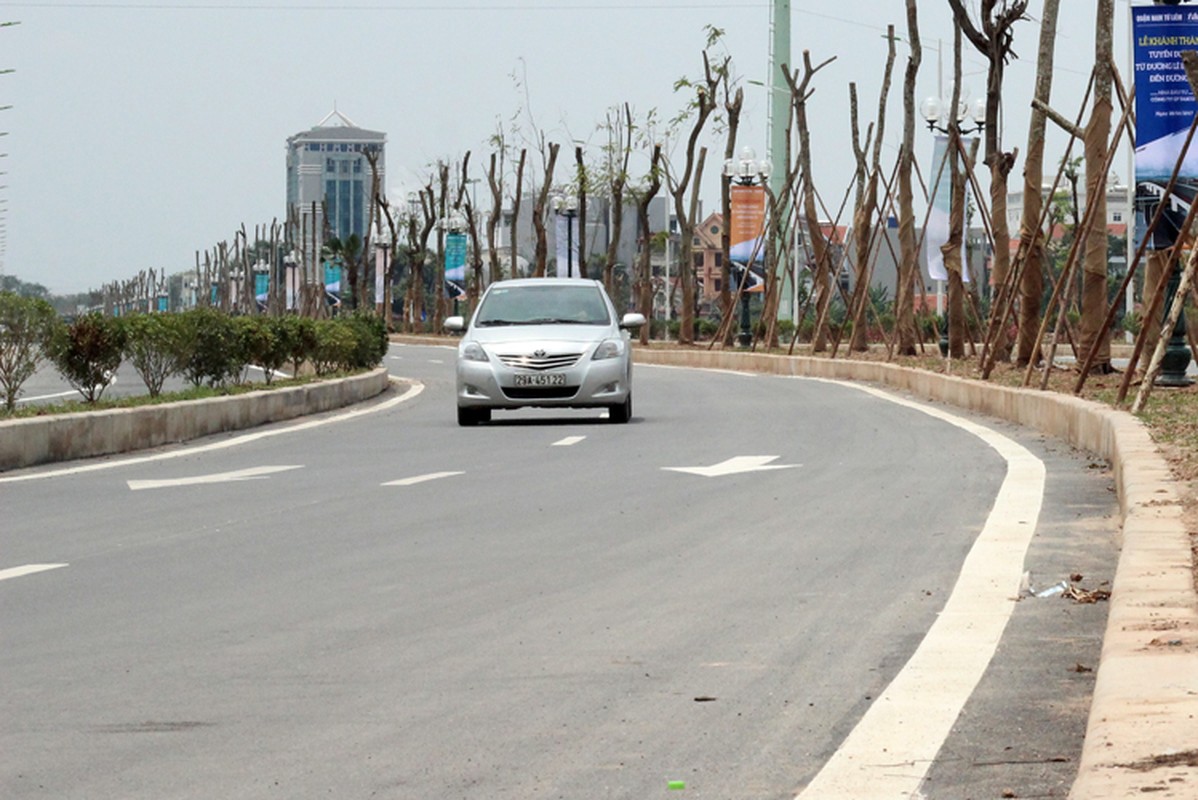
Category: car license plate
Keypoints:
(541, 379)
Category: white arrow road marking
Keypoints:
(28, 569)
(735, 465)
(569, 440)
(432, 476)
(251, 474)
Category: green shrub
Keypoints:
(213, 352)
(706, 328)
(156, 345)
(27, 326)
(300, 333)
(87, 353)
(370, 333)
(260, 345)
(1133, 322)
(786, 330)
(336, 346)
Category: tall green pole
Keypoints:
(779, 118)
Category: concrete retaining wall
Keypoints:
(30, 441)
(1142, 734)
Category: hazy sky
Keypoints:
(142, 132)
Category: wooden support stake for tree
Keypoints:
(1162, 342)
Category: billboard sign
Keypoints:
(1165, 107)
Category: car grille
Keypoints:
(540, 392)
(541, 362)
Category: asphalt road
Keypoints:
(388, 605)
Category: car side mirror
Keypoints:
(455, 324)
(632, 321)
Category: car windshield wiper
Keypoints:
(487, 323)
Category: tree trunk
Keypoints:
(514, 259)
(495, 182)
(1094, 273)
(1031, 237)
(732, 106)
(582, 212)
(952, 248)
(538, 212)
(645, 268)
(616, 209)
(909, 264)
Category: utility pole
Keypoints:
(779, 120)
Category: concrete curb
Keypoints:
(30, 441)
(1142, 734)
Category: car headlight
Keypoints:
(609, 348)
(472, 351)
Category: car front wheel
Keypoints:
(621, 413)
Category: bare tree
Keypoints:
(908, 263)
(644, 271)
(1031, 238)
(495, 183)
(540, 203)
(952, 248)
(516, 199)
(581, 177)
(686, 182)
(867, 206)
(800, 93)
(1098, 131)
(619, 151)
(733, 105)
(994, 41)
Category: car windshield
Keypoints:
(543, 305)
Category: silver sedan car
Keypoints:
(552, 342)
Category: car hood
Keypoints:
(543, 335)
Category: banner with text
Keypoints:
(1165, 107)
(746, 234)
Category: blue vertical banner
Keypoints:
(566, 255)
(1165, 107)
(332, 283)
(455, 265)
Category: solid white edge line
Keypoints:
(888, 753)
(415, 389)
(28, 569)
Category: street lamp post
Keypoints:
(746, 171)
(567, 206)
(936, 114)
(453, 223)
(290, 269)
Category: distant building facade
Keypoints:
(329, 179)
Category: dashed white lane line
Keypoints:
(569, 440)
(253, 473)
(28, 569)
(432, 476)
(887, 755)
